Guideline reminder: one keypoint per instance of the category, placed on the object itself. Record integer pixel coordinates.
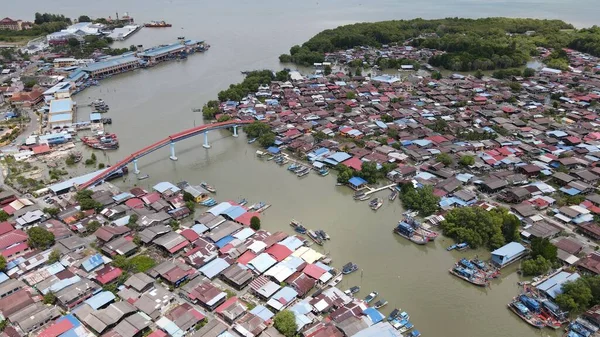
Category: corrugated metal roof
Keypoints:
(100, 299)
(214, 267)
(510, 249)
(262, 262)
(92, 262)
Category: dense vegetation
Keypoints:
(250, 84)
(485, 44)
(40, 238)
(262, 132)
(368, 171)
(543, 255)
(44, 24)
(419, 199)
(580, 294)
(285, 322)
(478, 227)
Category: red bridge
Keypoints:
(170, 140)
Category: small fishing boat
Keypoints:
(339, 184)
(315, 237)
(371, 297)
(349, 267)
(379, 304)
(250, 141)
(394, 314)
(462, 246)
(196, 109)
(472, 276)
(453, 247)
(323, 172)
(363, 198)
(263, 208)
(208, 187)
(415, 333)
(242, 202)
(376, 203)
(404, 315)
(406, 327)
(292, 167)
(325, 235)
(142, 177)
(398, 323)
(352, 290)
(393, 195)
(298, 227)
(257, 205)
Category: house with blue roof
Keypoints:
(100, 300)
(92, 262)
(552, 287)
(283, 298)
(356, 183)
(507, 254)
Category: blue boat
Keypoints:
(292, 167)
(406, 327)
(415, 333)
(453, 247)
(242, 202)
(462, 246)
(466, 263)
(323, 172)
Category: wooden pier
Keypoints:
(375, 190)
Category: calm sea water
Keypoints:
(147, 105)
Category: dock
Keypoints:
(375, 190)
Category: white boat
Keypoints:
(336, 281)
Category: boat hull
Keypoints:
(538, 325)
(479, 283)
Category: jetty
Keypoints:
(371, 190)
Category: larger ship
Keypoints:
(157, 24)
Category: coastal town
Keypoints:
(515, 150)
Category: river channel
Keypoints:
(147, 105)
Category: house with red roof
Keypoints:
(279, 252)
(353, 163)
(107, 274)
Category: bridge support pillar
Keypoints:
(135, 167)
(173, 157)
(235, 131)
(206, 145)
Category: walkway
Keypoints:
(170, 140)
(375, 190)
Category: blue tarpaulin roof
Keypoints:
(101, 299)
(273, 149)
(374, 315)
(221, 243)
(93, 262)
(357, 181)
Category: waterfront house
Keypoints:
(508, 254)
(231, 310)
(357, 183)
(552, 286)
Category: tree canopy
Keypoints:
(285, 322)
(250, 84)
(444, 158)
(255, 223)
(469, 44)
(2, 262)
(40, 238)
(419, 199)
(136, 264)
(479, 227)
(467, 160)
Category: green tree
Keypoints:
(174, 224)
(3, 215)
(534, 267)
(436, 75)
(223, 118)
(92, 226)
(478, 227)
(30, 83)
(528, 72)
(327, 70)
(257, 129)
(132, 222)
(40, 238)
(282, 75)
(466, 160)
(576, 296)
(444, 158)
(544, 248)
(51, 211)
(141, 263)
(54, 256)
(419, 199)
(49, 298)
(266, 139)
(478, 74)
(285, 323)
(255, 223)
(187, 196)
(515, 86)
(191, 205)
(84, 18)
(319, 136)
(2, 263)
(350, 95)
(73, 42)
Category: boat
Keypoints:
(394, 314)
(415, 333)
(250, 141)
(298, 227)
(404, 315)
(580, 329)
(393, 195)
(522, 311)
(283, 161)
(325, 235)
(353, 290)
(303, 171)
(406, 231)
(406, 327)
(379, 304)
(157, 24)
(424, 232)
(323, 172)
(197, 110)
(462, 246)
(359, 194)
(398, 323)
(257, 205)
(363, 198)
(453, 247)
(315, 237)
(107, 141)
(142, 177)
(208, 187)
(242, 202)
(263, 208)
(336, 281)
(292, 167)
(208, 202)
(371, 297)
(472, 276)
(349, 267)
(376, 203)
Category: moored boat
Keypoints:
(406, 231)
(394, 314)
(315, 237)
(250, 141)
(393, 195)
(336, 281)
(522, 311)
(371, 297)
(376, 203)
(462, 246)
(242, 202)
(102, 141)
(298, 227)
(453, 247)
(142, 177)
(349, 267)
(379, 304)
(157, 24)
(353, 290)
(472, 276)
(323, 172)
(208, 187)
